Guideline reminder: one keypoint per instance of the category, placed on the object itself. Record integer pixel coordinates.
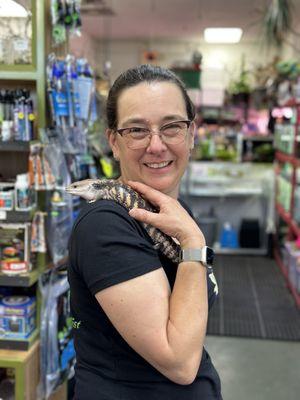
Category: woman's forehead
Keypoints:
(148, 100)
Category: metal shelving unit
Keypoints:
(288, 215)
(221, 184)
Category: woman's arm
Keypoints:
(166, 328)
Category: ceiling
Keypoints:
(180, 19)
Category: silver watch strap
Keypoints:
(192, 255)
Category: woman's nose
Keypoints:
(156, 144)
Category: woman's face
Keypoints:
(159, 165)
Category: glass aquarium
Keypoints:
(16, 32)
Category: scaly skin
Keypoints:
(109, 189)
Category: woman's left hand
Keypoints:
(172, 218)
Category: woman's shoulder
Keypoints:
(101, 207)
(105, 216)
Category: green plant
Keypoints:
(242, 84)
(277, 22)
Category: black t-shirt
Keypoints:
(107, 247)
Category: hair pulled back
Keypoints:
(140, 74)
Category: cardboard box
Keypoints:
(15, 248)
(17, 316)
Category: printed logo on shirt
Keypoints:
(75, 324)
(214, 281)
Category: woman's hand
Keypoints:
(172, 218)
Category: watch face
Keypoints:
(209, 256)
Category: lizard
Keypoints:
(110, 189)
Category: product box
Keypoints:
(6, 196)
(15, 248)
(292, 260)
(17, 316)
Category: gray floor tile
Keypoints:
(253, 369)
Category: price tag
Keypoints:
(21, 45)
(3, 214)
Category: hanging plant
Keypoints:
(277, 22)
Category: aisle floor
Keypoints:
(254, 369)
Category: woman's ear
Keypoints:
(112, 140)
(192, 132)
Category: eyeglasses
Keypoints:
(138, 137)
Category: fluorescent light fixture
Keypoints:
(222, 35)
(12, 9)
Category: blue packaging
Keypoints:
(229, 238)
(17, 316)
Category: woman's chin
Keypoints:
(165, 186)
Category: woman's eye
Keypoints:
(173, 126)
(136, 129)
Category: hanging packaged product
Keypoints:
(38, 237)
(15, 248)
(40, 172)
(66, 21)
(57, 348)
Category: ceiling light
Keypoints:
(11, 9)
(222, 35)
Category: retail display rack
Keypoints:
(22, 355)
(287, 167)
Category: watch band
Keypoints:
(204, 255)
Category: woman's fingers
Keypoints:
(144, 216)
(154, 196)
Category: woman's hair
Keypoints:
(139, 74)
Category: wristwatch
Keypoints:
(205, 255)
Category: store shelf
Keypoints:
(288, 219)
(260, 138)
(19, 344)
(59, 264)
(284, 271)
(15, 216)
(15, 146)
(242, 251)
(289, 158)
(290, 103)
(26, 367)
(219, 192)
(24, 280)
(15, 75)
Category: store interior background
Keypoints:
(173, 30)
(254, 329)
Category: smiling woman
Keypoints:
(160, 162)
(143, 316)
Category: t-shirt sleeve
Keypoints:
(111, 247)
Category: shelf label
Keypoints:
(21, 45)
(3, 214)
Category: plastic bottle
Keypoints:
(22, 193)
(228, 237)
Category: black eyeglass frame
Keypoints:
(187, 121)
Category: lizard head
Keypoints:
(84, 188)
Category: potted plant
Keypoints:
(240, 89)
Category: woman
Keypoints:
(139, 319)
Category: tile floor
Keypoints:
(253, 369)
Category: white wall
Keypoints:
(84, 46)
(127, 53)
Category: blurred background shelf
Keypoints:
(24, 280)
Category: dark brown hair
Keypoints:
(139, 74)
